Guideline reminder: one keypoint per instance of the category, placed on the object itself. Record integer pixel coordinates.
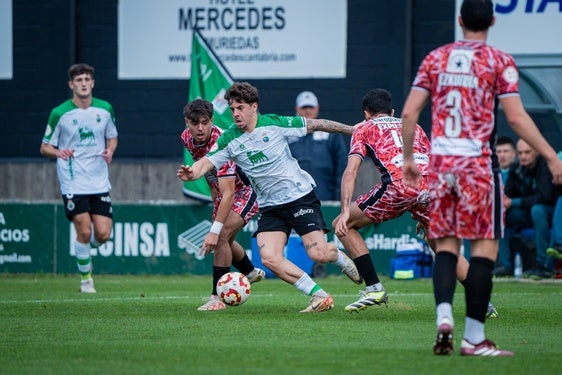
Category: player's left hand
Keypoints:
(411, 174)
(555, 167)
(107, 155)
(185, 173)
(209, 244)
(340, 224)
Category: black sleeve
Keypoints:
(546, 190)
(511, 189)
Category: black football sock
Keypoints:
(444, 277)
(244, 265)
(478, 289)
(366, 269)
(217, 273)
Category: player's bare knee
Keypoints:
(102, 237)
(319, 254)
(272, 263)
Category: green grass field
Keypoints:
(150, 325)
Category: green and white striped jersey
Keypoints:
(265, 157)
(85, 131)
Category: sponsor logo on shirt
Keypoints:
(458, 80)
(256, 158)
(105, 198)
(86, 134)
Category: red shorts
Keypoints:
(387, 201)
(467, 204)
(244, 204)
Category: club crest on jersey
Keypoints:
(460, 61)
(98, 118)
(265, 139)
(256, 158)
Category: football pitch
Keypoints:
(150, 325)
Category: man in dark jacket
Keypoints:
(322, 155)
(530, 199)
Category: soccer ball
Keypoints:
(233, 288)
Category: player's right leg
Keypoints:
(82, 225)
(353, 242)
(444, 281)
(271, 245)
(478, 288)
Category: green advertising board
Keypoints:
(149, 239)
(27, 237)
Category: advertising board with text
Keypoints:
(148, 239)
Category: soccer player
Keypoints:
(235, 202)
(258, 144)
(82, 136)
(379, 138)
(464, 80)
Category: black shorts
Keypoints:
(97, 204)
(303, 215)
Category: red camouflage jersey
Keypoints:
(227, 170)
(465, 79)
(381, 140)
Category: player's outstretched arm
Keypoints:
(328, 126)
(194, 172)
(347, 187)
(227, 187)
(415, 102)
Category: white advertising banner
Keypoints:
(252, 38)
(524, 27)
(6, 40)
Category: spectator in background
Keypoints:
(323, 155)
(529, 201)
(555, 249)
(506, 153)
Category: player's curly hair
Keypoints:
(242, 92)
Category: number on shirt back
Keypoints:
(453, 122)
(397, 138)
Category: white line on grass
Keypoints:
(96, 298)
